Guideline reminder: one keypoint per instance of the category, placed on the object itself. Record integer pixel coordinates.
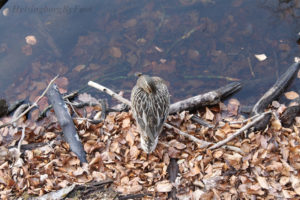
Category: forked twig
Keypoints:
(241, 130)
(30, 107)
(202, 143)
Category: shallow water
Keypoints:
(195, 45)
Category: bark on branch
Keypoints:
(207, 99)
(280, 85)
(66, 122)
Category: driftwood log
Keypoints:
(66, 122)
(274, 92)
(207, 99)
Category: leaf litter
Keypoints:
(269, 158)
(261, 165)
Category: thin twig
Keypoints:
(241, 130)
(110, 92)
(202, 122)
(21, 139)
(244, 121)
(185, 36)
(89, 120)
(202, 143)
(70, 104)
(18, 111)
(250, 67)
(234, 148)
(30, 107)
(103, 109)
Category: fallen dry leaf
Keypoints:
(260, 57)
(31, 40)
(27, 50)
(130, 23)
(276, 125)
(79, 68)
(233, 107)
(208, 114)
(62, 82)
(295, 180)
(262, 182)
(116, 52)
(284, 180)
(291, 95)
(177, 145)
(130, 138)
(218, 154)
(164, 186)
(126, 123)
(134, 152)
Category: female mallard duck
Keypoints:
(150, 103)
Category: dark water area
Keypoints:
(194, 45)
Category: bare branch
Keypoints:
(241, 130)
(30, 107)
(110, 92)
(202, 143)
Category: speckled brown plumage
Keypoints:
(150, 103)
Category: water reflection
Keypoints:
(195, 45)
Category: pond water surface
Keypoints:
(195, 45)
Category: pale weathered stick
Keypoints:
(125, 101)
(243, 121)
(202, 143)
(110, 92)
(30, 107)
(21, 139)
(241, 130)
